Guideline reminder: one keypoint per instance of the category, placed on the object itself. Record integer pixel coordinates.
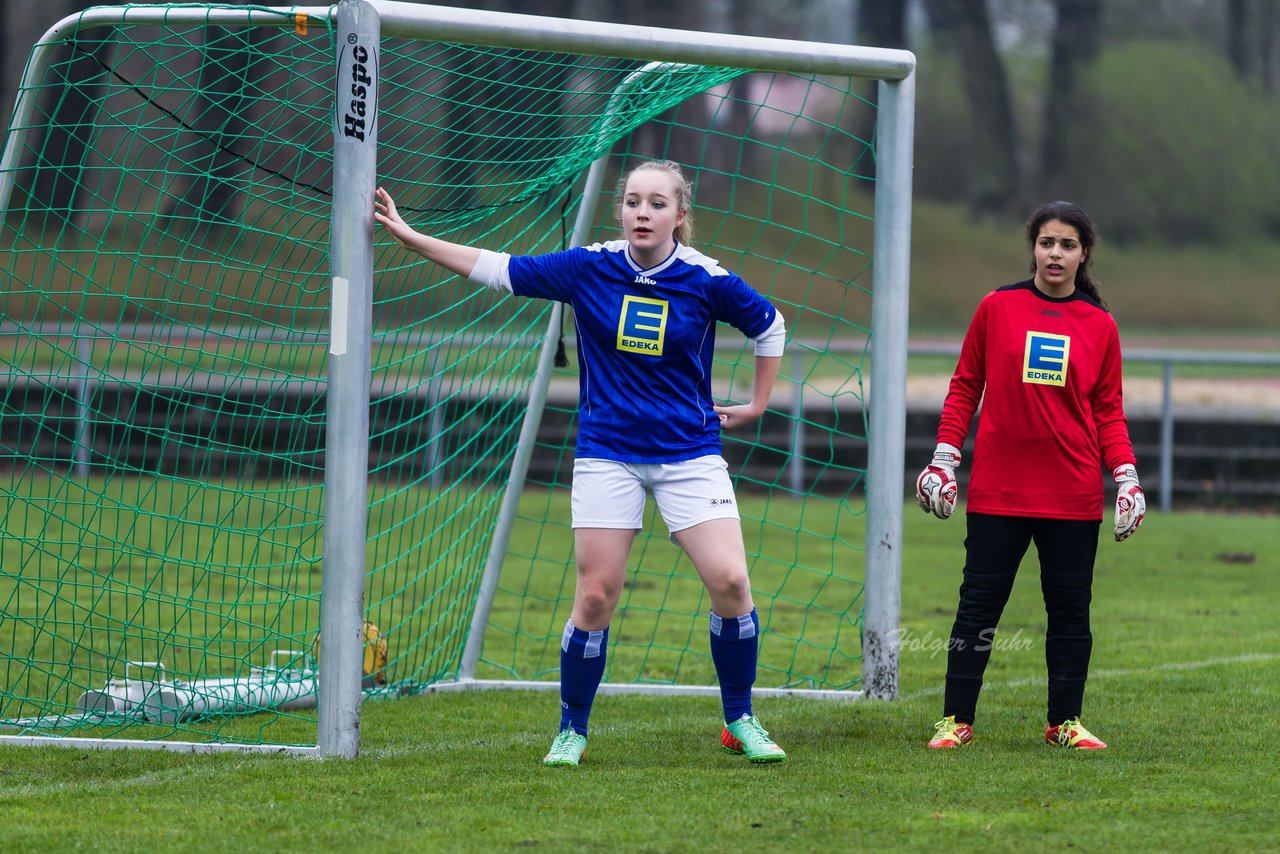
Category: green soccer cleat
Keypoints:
(745, 737)
(567, 749)
(1071, 733)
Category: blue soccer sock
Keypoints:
(735, 645)
(581, 669)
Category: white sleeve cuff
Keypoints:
(491, 270)
(773, 340)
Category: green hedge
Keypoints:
(1167, 144)
(1164, 143)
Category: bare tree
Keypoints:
(229, 75)
(1237, 12)
(1076, 38)
(477, 85)
(5, 34)
(75, 84)
(1268, 55)
(678, 133)
(879, 23)
(1251, 33)
(992, 182)
(882, 23)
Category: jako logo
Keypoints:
(358, 115)
(643, 280)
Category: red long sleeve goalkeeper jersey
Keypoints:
(1047, 372)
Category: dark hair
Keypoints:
(1069, 213)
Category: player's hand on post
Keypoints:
(384, 212)
(1131, 502)
(936, 488)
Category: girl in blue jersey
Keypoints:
(645, 310)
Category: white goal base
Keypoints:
(637, 688)
(139, 744)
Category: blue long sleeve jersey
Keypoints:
(645, 342)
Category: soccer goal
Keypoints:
(259, 465)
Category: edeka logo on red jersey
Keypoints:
(1044, 362)
(642, 325)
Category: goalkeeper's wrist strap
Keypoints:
(946, 455)
(1125, 473)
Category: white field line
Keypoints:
(1104, 674)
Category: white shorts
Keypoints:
(610, 494)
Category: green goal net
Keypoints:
(170, 184)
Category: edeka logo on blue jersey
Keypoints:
(1045, 359)
(642, 325)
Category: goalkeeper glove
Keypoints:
(936, 488)
(1131, 503)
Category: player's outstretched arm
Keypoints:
(455, 257)
(761, 388)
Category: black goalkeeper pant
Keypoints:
(994, 547)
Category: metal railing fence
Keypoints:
(85, 335)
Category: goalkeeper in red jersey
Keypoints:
(1043, 358)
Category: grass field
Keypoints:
(1186, 670)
